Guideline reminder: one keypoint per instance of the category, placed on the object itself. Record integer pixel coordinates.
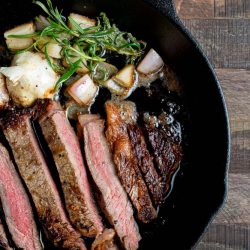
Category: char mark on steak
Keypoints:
(66, 152)
(35, 173)
(115, 202)
(165, 142)
(119, 116)
(16, 207)
(105, 241)
(145, 163)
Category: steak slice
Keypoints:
(105, 241)
(4, 243)
(166, 147)
(115, 202)
(82, 120)
(36, 175)
(67, 155)
(16, 206)
(119, 116)
(145, 162)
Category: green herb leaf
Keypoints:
(24, 36)
(76, 25)
(67, 74)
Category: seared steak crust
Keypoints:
(119, 116)
(105, 241)
(166, 148)
(66, 152)
(35, 173)
(145, 162)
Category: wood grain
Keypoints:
(240, 149)
(236, 210)
(231, 228)
(226, 237)
(195, 8)
(192, 9)
(223, 30)
(236, 87)
(231, 8)
(247, 9)
(226, 41)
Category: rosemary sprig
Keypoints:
(92, 42)
(67, 74)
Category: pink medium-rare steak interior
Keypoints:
(36, 175)
(82, 120)
(67, 155)
(16, 206)
(115, 202)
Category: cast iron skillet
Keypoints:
(200, 187)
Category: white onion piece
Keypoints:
(113, 87)
(54, 50)
(29, 78)
(83, 91)
(128, 92)
(116, 89)
(151, 63)
(83, 21)
(20, 43)
(4, 96)
(146, 80)
(126, 76)
(104, 69)
(14, 73)
(24, 29)
(73, 109)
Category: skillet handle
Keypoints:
(166, 7)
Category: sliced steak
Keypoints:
(16, 207)
(165, 141)
(145, 162)
(82, 120)
(4, 244)
(105, 241)
(119, 116)
(66, 152)
(36, 175)
(115, 202)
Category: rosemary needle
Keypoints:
(92, 42)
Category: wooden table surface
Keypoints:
(223, 29)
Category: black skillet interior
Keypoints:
(200, 187)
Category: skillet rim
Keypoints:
(168, 10)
